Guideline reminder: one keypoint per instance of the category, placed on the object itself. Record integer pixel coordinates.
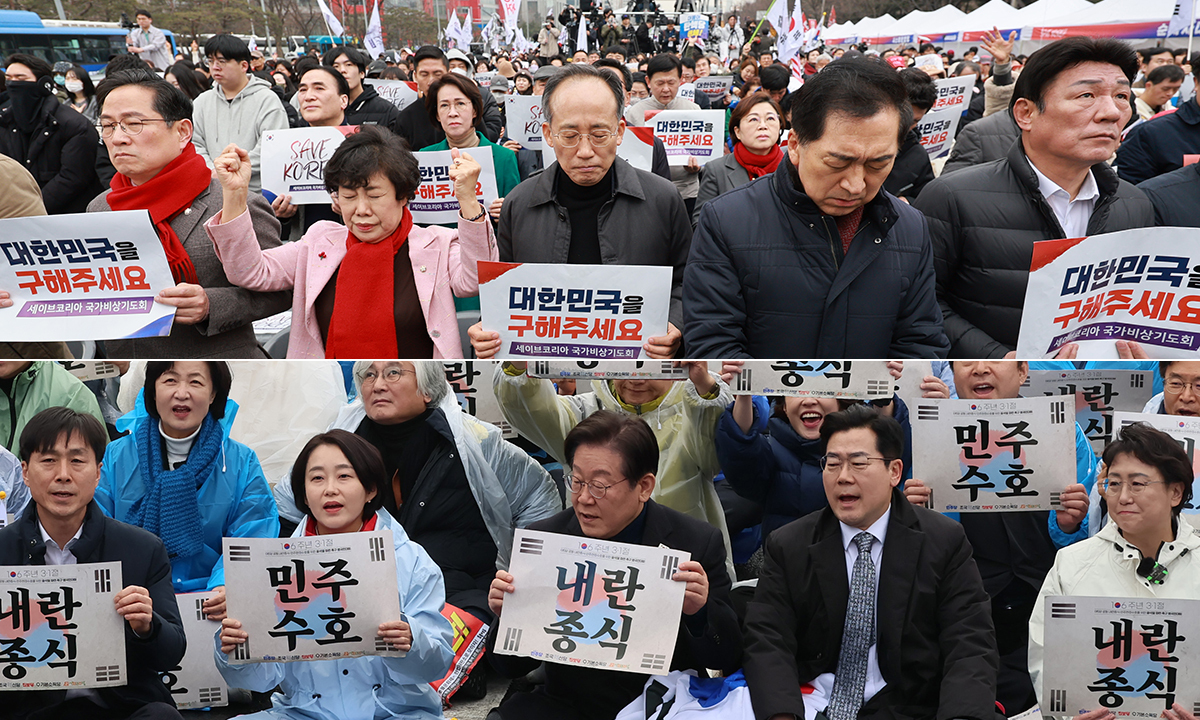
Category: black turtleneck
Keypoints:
(406, 448)
(583, 203)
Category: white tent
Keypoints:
(1037, 13)
(867, 27)
(919, 22)
(1113, 11)
(995, 13)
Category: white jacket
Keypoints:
(1106, 566)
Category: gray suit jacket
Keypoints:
(717, 178)
(226, 332)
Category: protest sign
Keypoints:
(1185, 430)
(714, 86)
(59, 628)
(1132, 656)
(435, 203)
(400, 93)
(311, 598)
(523, 121)
(937, 131)
(195, 682)
(608, 369)
(862, 379)
(953, 93)
(68, 283)
(293, 161)
(90, 369)
(601, 312)
(1009, 454)
(484, 79)
(690, 133)
(1098, 393)
(637, 147)
(470, 640)
(471, 381)
(1141, 285)
(592, 603)
(687, 91)
(693, 25)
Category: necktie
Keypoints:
(858, 635)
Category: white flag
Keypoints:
(777, 15)
(1183, 17)
(510, 13)
(373, 40)
(253, 44)
(331, 20)
(466, 31)
(796, 34)
(452, 29)
(581, 42)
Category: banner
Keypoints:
(1141, 285)
(696, 133)
(1098, 394)
(937, 131)
(1133, 656)
(608, 369)
(523, 121)
(599, 312)
(592, 603)
(90, 276)
(195, 682)
(59, 628)
(311, 598)
(293, 161)
(637, 147)
(693, 26)
(470, 640)
(714, 86)
(435, 203)
(472, 384)
(1185, 430)
(953, 93)
(400, 93)
(1008, 454)
(862, 379)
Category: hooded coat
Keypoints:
(242, 120)
(42, 385)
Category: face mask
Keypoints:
(26, 99)
(74, 86)
(59, 79)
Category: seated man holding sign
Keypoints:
(61, 452)
(613, 459)
(1150, 550)
(336, 482)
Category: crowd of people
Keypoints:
(822, 229)
(934, 615)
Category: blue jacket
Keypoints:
(235, 501)
(369, 687)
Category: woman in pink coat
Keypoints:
(344, 276)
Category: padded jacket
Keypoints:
(983, 141)
(1159, 145)
(1173, 196)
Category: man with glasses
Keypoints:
(238, 108)
(591, 207)
(1181, 389)
(1150, 550)
(840, 629)
(613, 460)
(146, 124)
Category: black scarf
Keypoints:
(27, 100)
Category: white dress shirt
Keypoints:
(822, 685)
(1073, 215)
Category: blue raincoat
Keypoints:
(235, 501)
(369, 687)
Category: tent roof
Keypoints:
(1113, 11)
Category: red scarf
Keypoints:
(165, 195)
(363, 325)
(757, 165)
(310, 525)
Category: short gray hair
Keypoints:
(431, 379)
(580, 70)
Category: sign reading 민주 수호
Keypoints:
(592, 603)
(1016, 454)
(311, 598)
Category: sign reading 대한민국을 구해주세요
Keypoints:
(435, 202)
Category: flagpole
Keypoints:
(760, 24)
(1191, 30)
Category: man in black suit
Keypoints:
(60, 452)
(612, 459)
(872, 607)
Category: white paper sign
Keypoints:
(608, 369)
(862, 379)
(311, 598)
(400, 93)
(637, 147)
(690, 133)
(59, 628)
(1133, 656)
(687, 91)
(1141, 285)
(523, 121)
(293, 161)
(602, 312)
(592, 603)
(994, 455)
(1098, 393)
(472, 384)
(195, 682)
(1185, 430)
(937, 131)
(953, 93)
(435, 203)
(484, 79)
(90, 369)
(714, 86)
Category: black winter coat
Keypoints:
(982, 141)
(1174, 196)
(370, 109)
(144, 563)
(912, 170)
(61, 155)
(1157, 146)
(766, 278)
(984, 221)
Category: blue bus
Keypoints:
(87, 44)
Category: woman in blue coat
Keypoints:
(179, 475)
(335, 482)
